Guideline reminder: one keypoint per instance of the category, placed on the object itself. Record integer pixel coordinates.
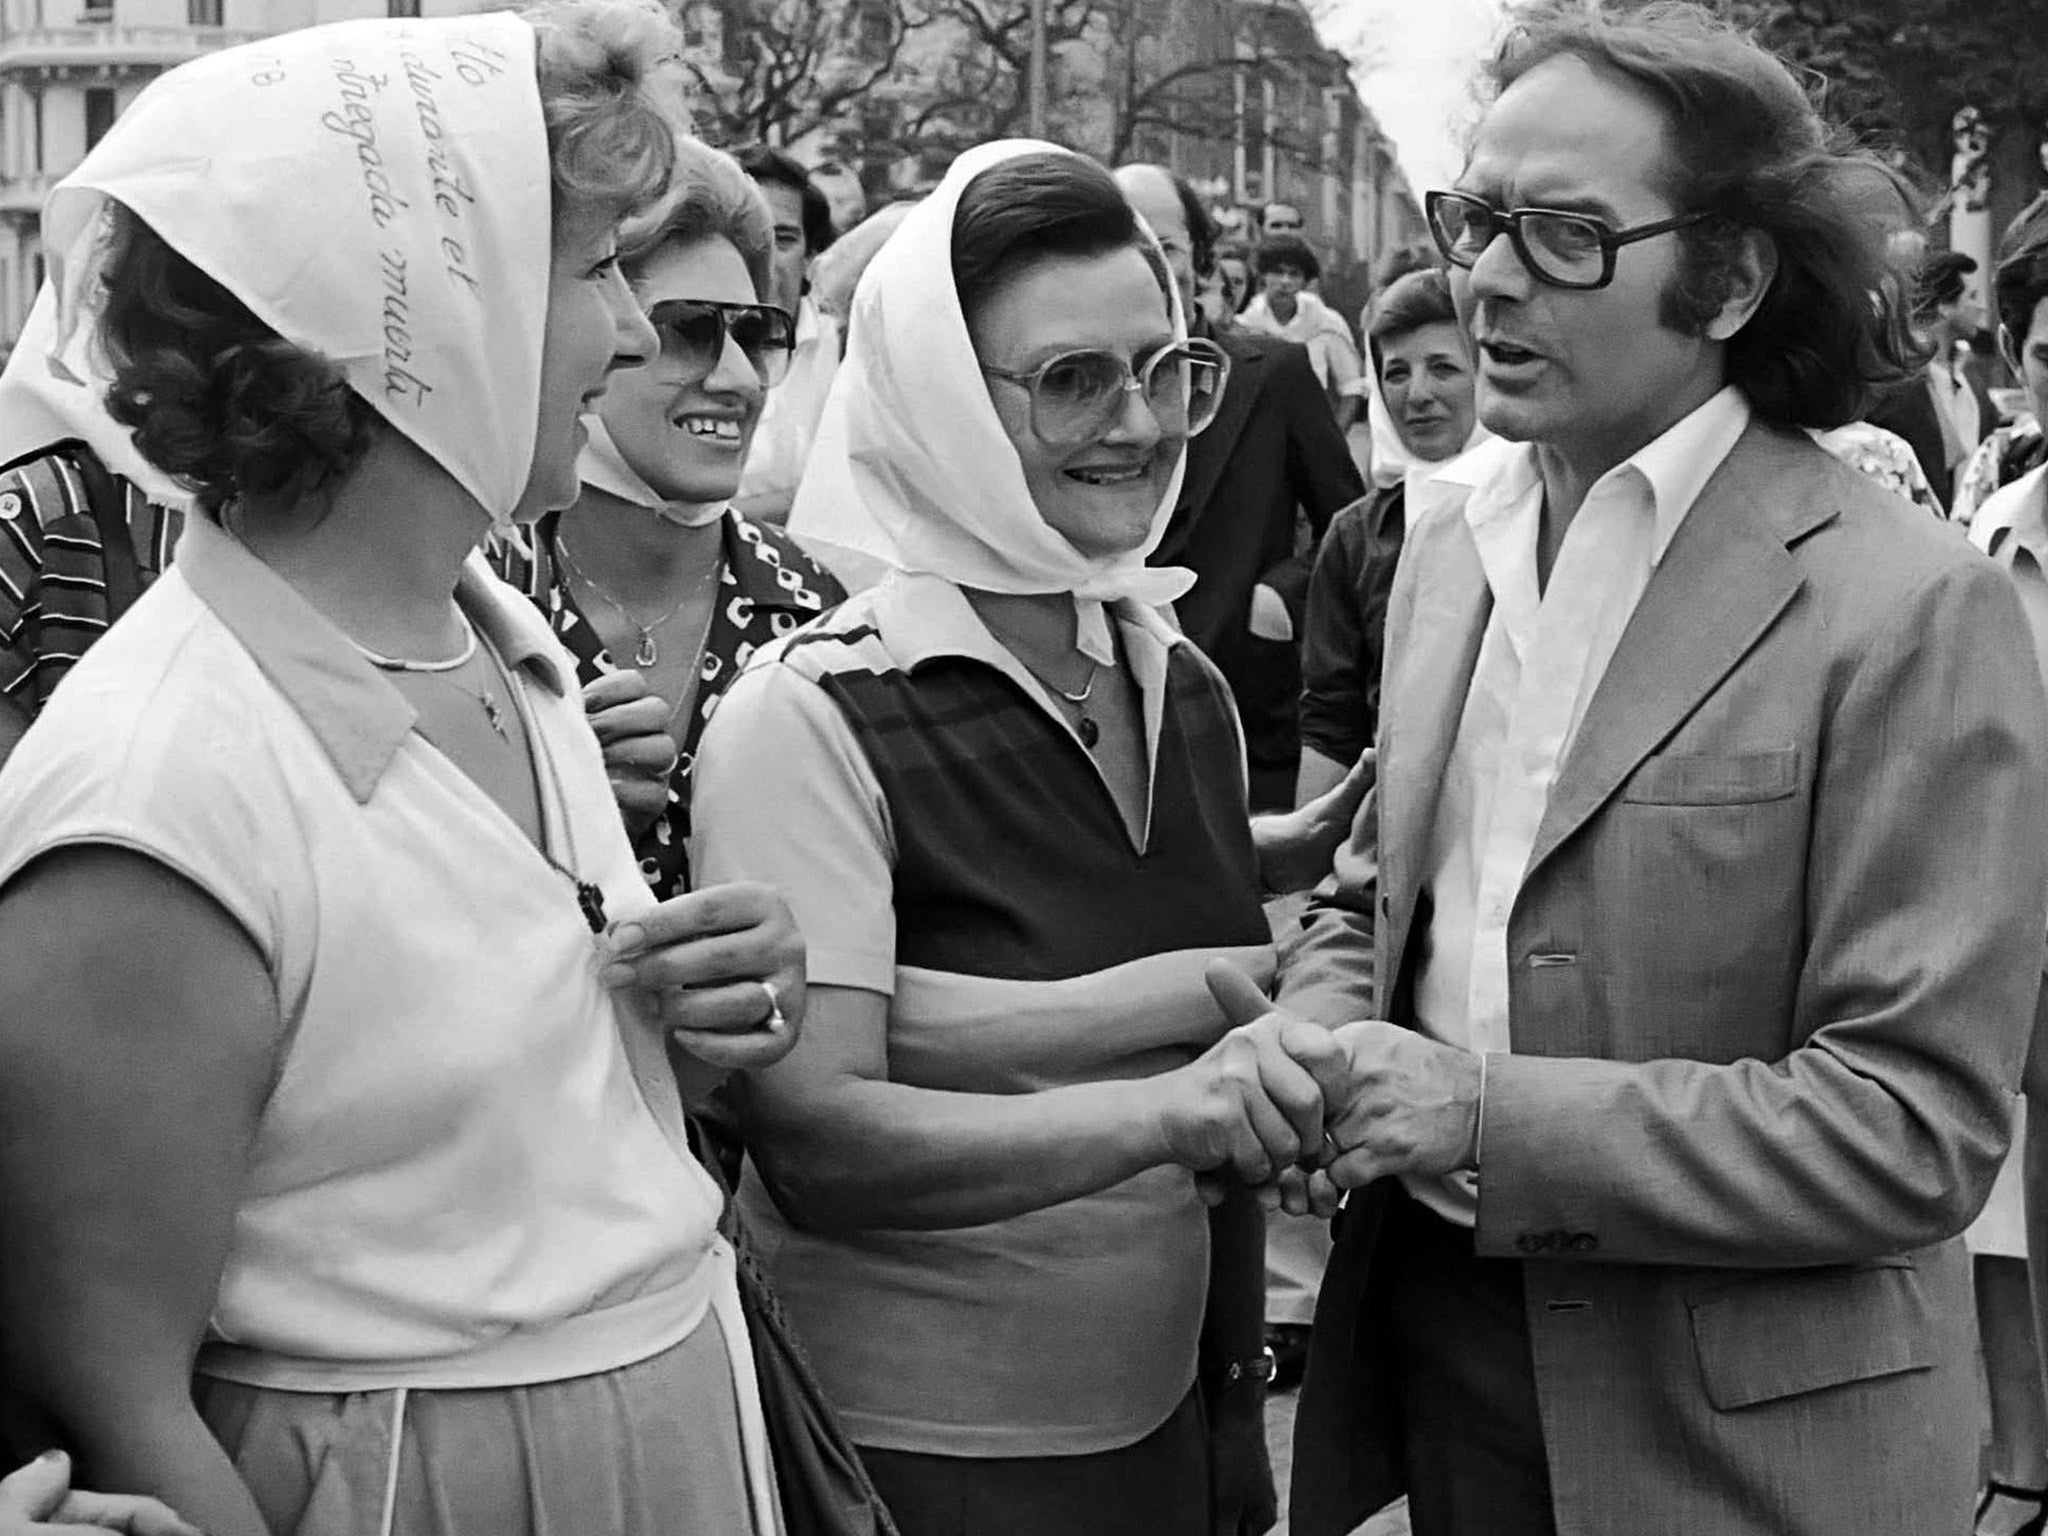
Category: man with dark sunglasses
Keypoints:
(1686, 953)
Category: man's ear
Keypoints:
(1749, 277)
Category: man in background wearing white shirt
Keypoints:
(782, 440)
(1284, 308)
(1703, 884)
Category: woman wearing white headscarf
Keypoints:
(345, 1190)
(1007, 801)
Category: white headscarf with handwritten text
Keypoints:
(378, 192)
(911, 466)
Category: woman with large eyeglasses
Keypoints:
(658, 589)
(1006, 799)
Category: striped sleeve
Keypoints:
(53, 574)
(53, 599)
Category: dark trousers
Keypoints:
(1157, 1487)
(1472, 1442)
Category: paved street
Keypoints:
(1279, 1437)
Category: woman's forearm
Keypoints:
(883, 1154)
(167, 1452)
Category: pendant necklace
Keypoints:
(647, 653)
(1085, 727)
(1088, 730)
(547, 780)
(443, 672)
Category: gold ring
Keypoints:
(775, 1022)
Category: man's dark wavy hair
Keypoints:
(1750, 151)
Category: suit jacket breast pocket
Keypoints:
(1746, 778)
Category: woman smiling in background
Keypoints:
(658, 589)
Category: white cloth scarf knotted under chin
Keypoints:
(377, 192)
(604, 468)
(911, 466)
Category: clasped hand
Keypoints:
(1280, 1098)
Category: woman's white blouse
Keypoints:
(457, 1180)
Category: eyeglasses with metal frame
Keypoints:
(693, 333)
(1076, 396)
(1563, 249)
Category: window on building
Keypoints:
(99, 113)
(401, 7)
(35, 123)
(202, 13)
(96, 10)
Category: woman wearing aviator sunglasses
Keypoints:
(1007, 800)
(656, 587)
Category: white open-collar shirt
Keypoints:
(1543, 653)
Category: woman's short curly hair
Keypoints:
(223, 404)
(1748, 150)
(709, 197)
(611, 90)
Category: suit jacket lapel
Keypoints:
(1723, 582)
(1211, 451)
(1431, 660)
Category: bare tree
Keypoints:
(792, 67)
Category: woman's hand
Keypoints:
(639, 756)
(1253, 1102)
(704, 966)
(1295, 847)
(37, 1500)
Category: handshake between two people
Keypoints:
(1303, 1112)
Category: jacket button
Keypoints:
(1531, 1242)
(1584, 1242)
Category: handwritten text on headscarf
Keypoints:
(473, 62)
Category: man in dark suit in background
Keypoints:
(1272, 449)
(1945, 412)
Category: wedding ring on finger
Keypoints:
(774, 1023)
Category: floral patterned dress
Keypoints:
(767, 586)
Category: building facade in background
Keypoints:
(69, 67)
(1240, 96)
(1237, 95)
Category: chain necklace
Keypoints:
(454, 663)
(1085, 727)
(443, 672)
(647, 653)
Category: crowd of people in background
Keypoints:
(676, 856)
